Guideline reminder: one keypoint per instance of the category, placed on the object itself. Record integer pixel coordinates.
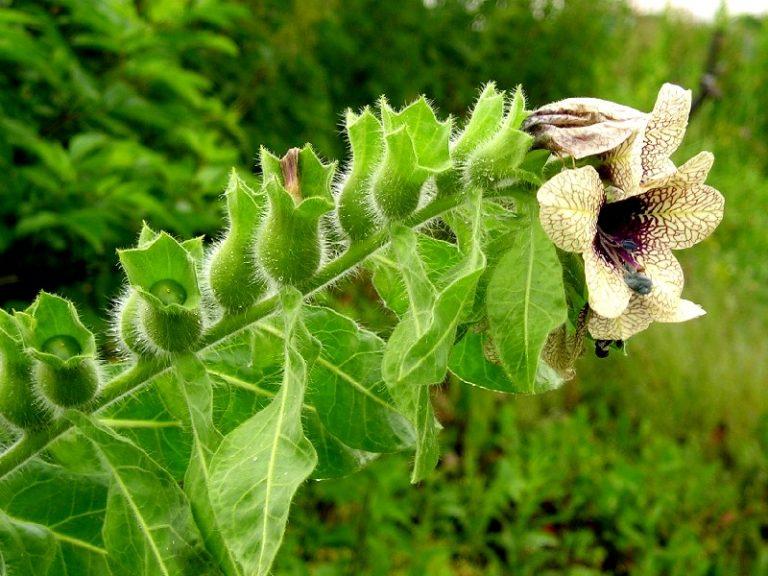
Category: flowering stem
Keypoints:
(33, 442)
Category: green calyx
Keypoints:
(484, 122)
(163, 272)
(18, 404)
(416, 146)
(127, 323)
(64, 351)
(355, 208)
(234, 279)
(289, 243)
(497, 158)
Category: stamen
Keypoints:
(620, 252)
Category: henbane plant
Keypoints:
(234, 388)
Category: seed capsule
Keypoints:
(64, 369)
(18, 404)
(289, 244)
(169, 292)
(163, 274)
(67, 386)
(62, 346)
(234, 279)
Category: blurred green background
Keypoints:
(114, 111)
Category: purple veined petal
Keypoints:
(608, 292)
(569, 206)
(664, 132)
(634, 319)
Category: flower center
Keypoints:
(621, 252)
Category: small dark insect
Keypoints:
(602, 347)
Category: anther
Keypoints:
(638, 283)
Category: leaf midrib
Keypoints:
(134, 508)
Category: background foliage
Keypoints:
(112, 112)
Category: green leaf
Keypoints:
(418, 348)
(430, 137)
(438, 258)
(27, 548)
(334, 458)
(194, 387)
(260, 465)
(148, 529)
(144, 419)
(52, 518)
(525, 302)
(346, 387)
(470, 362)
(248, 370)
(416, 355)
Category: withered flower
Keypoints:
(581, 127)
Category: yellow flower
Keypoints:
(631, 273)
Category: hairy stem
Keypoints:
(33, 442)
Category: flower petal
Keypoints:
(608, 293)
(678, 217)
(695, 171)
(624, 168)
(665, 272)
(686, 310)
(633, 320)
(570, 203)
(665, 131)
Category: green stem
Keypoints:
(33, 442)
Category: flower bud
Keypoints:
(499, 157)
(64, 350)
(355, 209)
(18, 404)
(581, 127)
(163, 273)
(232, 274)
(298, 188)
